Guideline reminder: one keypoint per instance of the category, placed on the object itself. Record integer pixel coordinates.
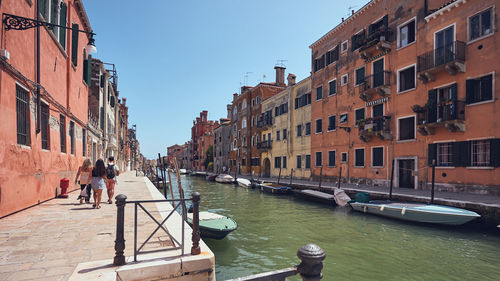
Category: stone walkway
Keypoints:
(48, 241)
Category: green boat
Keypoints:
(213, 225)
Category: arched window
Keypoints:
(244, 122)
(244, 104)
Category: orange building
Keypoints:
(202, 137)
(37, 150)
(409, 83)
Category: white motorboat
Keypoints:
(244, 182)
(224, 178)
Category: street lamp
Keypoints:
(21, 23)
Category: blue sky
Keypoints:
(177, 58)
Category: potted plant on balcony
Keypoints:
(417, 108)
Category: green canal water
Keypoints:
(358, 247)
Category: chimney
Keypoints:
(342, 19)
(235, 95)
(280, 75)
(352, 12)
(291, 79)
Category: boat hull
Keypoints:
(244, 183)
(214, 226)
(317, 196)
(211, 177)
(224, 178)
(435, 214)
(275, 189)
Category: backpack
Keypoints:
(110, 171)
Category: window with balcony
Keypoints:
(299, 130)
(319, 126)
(332, 120)
(359, 155)
(481, 24)
(479, 89)
(299, 161)
(406, 33)
(406, 128)
(308, 161)
(332, 55)
(378, 110)
(360, 75)
(23, 116)
(331, 158)
(319, 92)
(319, 63)
(308, 129)
(406, 79)
(359, 114)
(319, 160)
(332, 85)
(377, 157)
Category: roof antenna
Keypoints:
(350, 10)
(246, 78)
(281, 63)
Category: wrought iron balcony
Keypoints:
(264, 145)
(378, 83)
(450, 57)
(450, 114)
(377, 126)
(264, 121)
(378, 40)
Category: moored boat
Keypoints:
(183, 171)
(211, 177)
(316, 196)
(224, 178)
(213, 225)
(244, 182)
(275, 188)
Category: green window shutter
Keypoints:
(432, 147)
(453, 92)
(42, 8)
(62, 21)
(432, 106)
(461, 154)
(74, 44)
(85, 69)
(495, 152)
(53, 12)
(486, 87)
(89, 70)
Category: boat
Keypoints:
(224, 178)
(416, 212)
(213, 225)
(317, 196)
(275, 188)
(211, 177)
(183, 171)
(244, 182)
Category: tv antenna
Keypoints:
(246, 78)
(281, 63)
(349, 10)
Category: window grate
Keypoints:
(23, 116)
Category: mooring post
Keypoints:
(311, 257)
(320, 177)
(120, 237)
(433, 178)
(340, 177)
(291, 176)
(392, 178)
(195, 249)
(279, 175)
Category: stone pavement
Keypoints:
(48, 241)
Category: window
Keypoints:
(319, 161)
(319, 63)
(62, 130)
(406, 34)
(319, 93)
(74, 44)
(319, 126)
(343, 118)
(406, 128)
(244, 122)
(72, 136)
(243, 107)
(378, 110)
(55, 12)
(480, 24)
(332, 55)
(308, 128)
(445, 154)
(234, 127)
(253, 121)
(235, 111)
(360, 115)
(406, 79)
(284, 134)
(331, 158)
(360, 75)
(333, 87)
(284, 162)
(257, 100)
(377, 157)
(299, 130)
(243, 162)
(308, 161)
(358, 40)
(344, 79)
(344, 46)
(23, 116)
(359, 157)
(87, 68)
(45, 128)
(253, 102)
(480, 153)
(479, 89)
(303, 100)
(343, 157)
(332, 122)
(277, 162)
(278, 135)
(299, 161)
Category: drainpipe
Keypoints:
(68, 65)
(38, 108)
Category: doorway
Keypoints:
(406, 171)
(267, 168)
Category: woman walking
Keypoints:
(98, 182)
(84, 174)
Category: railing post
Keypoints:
(195, 249)
(311, 257)
(120, 237)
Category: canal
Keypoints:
(358, 247)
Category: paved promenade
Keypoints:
(48, 241)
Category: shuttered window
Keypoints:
(359, 157)
(333, 87)
(332, 120)
(331, 158)
(23, 116)
(299, 161)
(319, 93)
(277, 162)
(84, 142)
(308, 128)
(377, 157)
(62, 131)
(308, 161)
(74, 44)
(284, 162)
(62, 21)
(479, 89)
(44, 128)
(319, 126)
(72, 136)
(319, 158)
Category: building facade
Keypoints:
(399, 86)
(201, 139)
(222, 145)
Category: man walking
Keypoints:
(112, 172)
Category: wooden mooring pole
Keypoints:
(320, 177)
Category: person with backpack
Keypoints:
(112, 172)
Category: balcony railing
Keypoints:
(450, 114)
(379, 39)
(377, 126)
(376, 83)
(264, 122)
(451, 56)
(264, 145)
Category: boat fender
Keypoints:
(364, 209)
(403, 211)
(382, 208)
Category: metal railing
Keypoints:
(382, 34)
(450, 111)
(121, 201)
(264, 145)
(454, 51)
(311, 257)
(377, 124)
(375, 80)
